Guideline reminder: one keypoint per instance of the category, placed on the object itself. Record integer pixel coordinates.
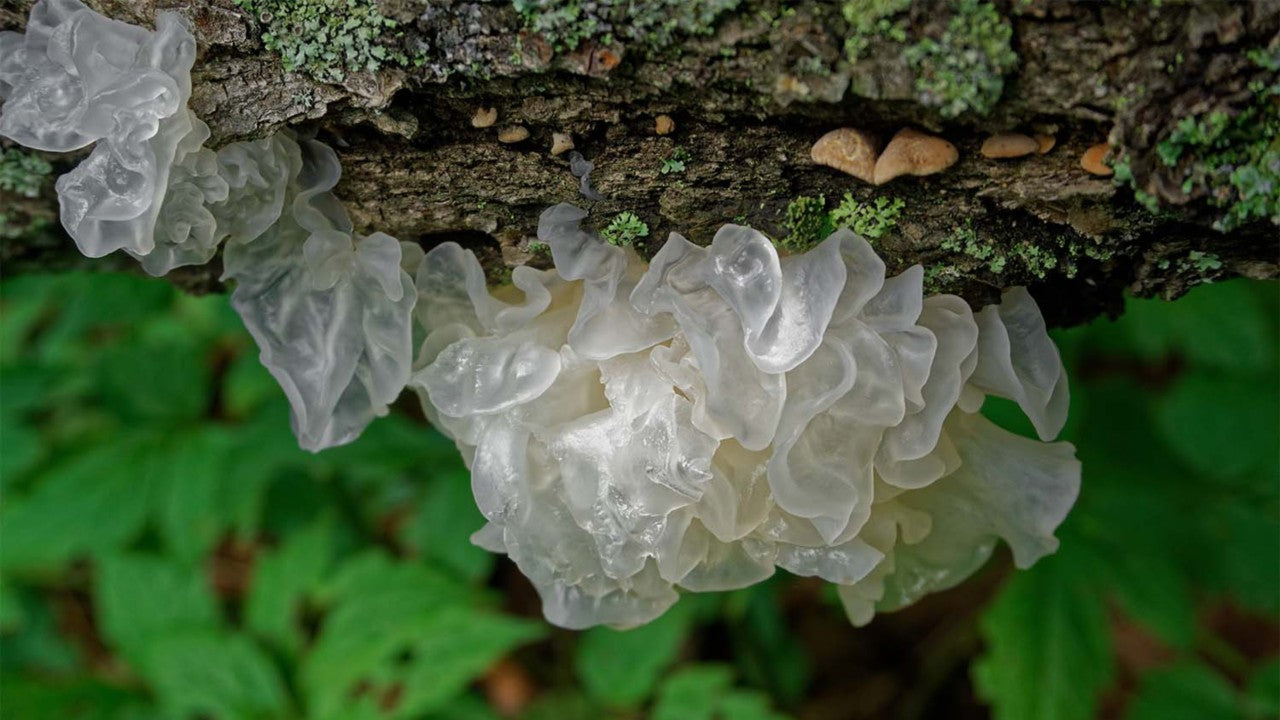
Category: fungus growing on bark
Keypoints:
(1094, 160)
(1008, 145)
(77, 78)
(561, 143)
(513, 134)
(631, 428)
(723, 411)
(849, 151)
(484, 117)
(911, 152)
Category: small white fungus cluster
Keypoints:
(331, 310)
(695, 422)
(723, 411)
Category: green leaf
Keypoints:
(1220, 326)
(76, 310)
(745, 705)
(282, 579)
(562, 705)
(1048, 646)
(155, 381)
(705, 692)
(31, 638)
(401, 624)
(1222, 427)
(21, 448)
(141, 598)
(454, 648)
(247, 386)
(207, 674)
(94, 502)
(262, 449)
(622, 667)
(768, 654)
(1185, 691)
(1243, 558)
(466, 707)
(70, 699)
(191, 470)
(692, 693)
(1263, 693)
(442, 526)
(1153, 591)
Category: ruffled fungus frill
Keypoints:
(631, 429)
(724, 411)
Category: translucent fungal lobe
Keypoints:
(724, 411)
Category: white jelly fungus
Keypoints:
(724, 411)
(632, 428)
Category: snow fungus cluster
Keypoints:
(632, 429)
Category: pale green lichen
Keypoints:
(938, 278)
(624, 229)
(963, 71)
(1023, 257)
(654, 25)
(327, 38)
(1231, 158)
(965, 240)
(23, 173)
(1199, 266)
(870, 20)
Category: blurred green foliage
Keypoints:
(166, 551)
(1175, 413)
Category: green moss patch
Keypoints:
(654, 25)
(328, 38)
(870, 20)
(1233, 159)
(808, 222)
(964, 70)
(23, 173)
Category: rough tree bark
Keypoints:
(749, 99)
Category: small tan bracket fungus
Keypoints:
(484, 117)
(561, 143)
(513, 134)
(1094, 158)
(664, 125)
(1045, 143)
(912, 152)
(1009, 145)
(847, 150)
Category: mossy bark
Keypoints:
(748, 101)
